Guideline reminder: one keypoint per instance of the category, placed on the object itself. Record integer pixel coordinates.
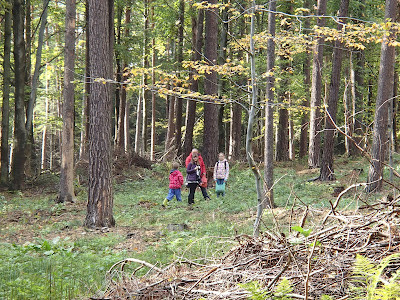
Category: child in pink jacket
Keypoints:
(175, 184)
(221, 173)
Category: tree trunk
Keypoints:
(252, 118)
(358, 102)
(384, 93)
(292, 152)
(327, 172)
(197, 42)
(153, 93)
(119, 87)
(100, 196)
(221, 82)
(43, 164)
(5, 109)
(314, 147)
(85, 120)
(269, 114)
(127, 126)
(235, 131)
(139, 123)
(28, 45)
(18, 163)
(32, 165)
(179, 103)
(67, 193)
(348, 126)
(169, 142)
(282, 142)
(210, 146)
(307, 83)
(146, 92)
(235, 136)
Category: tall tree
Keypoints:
(307, 84)
(18, 163)
(326, 171)
(282, 136)
(384, 95)
(153, 93)
(30, 149)
(269, 113)
(223, 46)
(250, 125)
(145, 79)
(100, 196)
(118, 76)
(169, 142)
(85, 116)
(197, 44)
(210, 137)
(5, 109)
(235, 130)
(67, 193)
(179, 56)
(314, 147)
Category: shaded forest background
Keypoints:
(278, 80)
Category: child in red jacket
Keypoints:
(175, 184)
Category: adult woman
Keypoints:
(202, 169)
(193, 177)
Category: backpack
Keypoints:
(224, 163)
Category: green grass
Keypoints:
(47, 254)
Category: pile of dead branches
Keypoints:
(315, 263)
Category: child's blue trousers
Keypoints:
(176, 193)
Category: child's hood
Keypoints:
(174, 171)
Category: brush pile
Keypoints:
(316, 263)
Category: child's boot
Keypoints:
(165, 202)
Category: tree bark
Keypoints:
(153, 93)
(139, 124)
(235, 136)
(282, 141)
(384, 94)
(179, 102)
(85, 119)
(327, 172)
(169, 142)
(67, 193)
(223, 45)
(32, 164)
(5, 109)
(210, 146)
(18, 163)
(269, 113)
(235, 131)
(100, 196)
(146, 91)
(119, 87)
(307, 83)
(251, 121)
(197, 42)
(314, 147)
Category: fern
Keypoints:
(258, 293)
(255, 289)
(282, 289)
(373, 284)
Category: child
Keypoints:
(221, 174)
(175, 184)
(193, 177)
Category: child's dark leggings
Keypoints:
(192, 189)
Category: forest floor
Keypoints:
(45, 253)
